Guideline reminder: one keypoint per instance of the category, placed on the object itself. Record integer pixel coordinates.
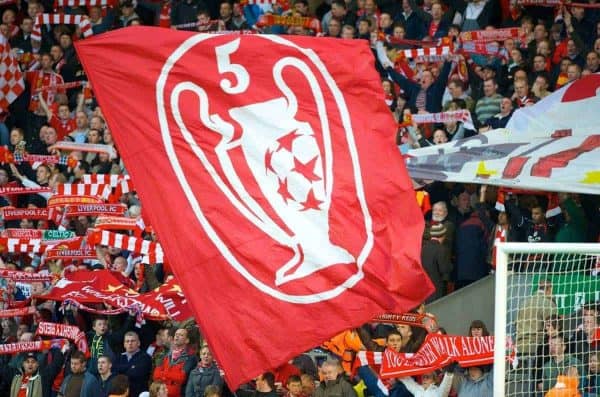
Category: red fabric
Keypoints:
(283, 373)
(62, 127)
(221, 245)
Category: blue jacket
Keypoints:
(138, 371)
(89, 388)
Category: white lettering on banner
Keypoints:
(121, 301)
(168, 304)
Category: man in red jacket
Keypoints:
(177, 365)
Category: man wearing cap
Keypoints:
(436, 260)
(34, 379)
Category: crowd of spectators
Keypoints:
(557, 45)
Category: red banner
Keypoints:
(436, 352)
(288, 156)
(10, 214)
(83, 287)
(71, 332)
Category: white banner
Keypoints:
(553, 146)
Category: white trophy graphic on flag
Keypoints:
(288, 166)
(272, 159)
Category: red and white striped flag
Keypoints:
(11, 77)
(78, 189)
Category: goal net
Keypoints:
(546, 319)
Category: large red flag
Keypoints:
(268, 167)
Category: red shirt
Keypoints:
(38, 79)
(62, 127)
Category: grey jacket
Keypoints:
(335, 388)
(200, 378)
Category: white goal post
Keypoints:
(518, 267)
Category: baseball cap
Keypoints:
(31, 355)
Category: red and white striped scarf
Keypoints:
(38, 345)
(9, 213)
(71, 253)
(84, 3)
(26, 277)
(305, 22)
(152, 250)
(22, 311)
(77, 189)
(64, 86)
(462, 115)
(86, 147)
(118, 223)
(492, 35)
(428, 51)
(109, 179)
(94, 209)
(60, 19)
(23, 245)
(121, 183)
(71, 332)
(4, 190)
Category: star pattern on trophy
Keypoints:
(295, 160)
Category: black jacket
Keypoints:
(138, 371)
